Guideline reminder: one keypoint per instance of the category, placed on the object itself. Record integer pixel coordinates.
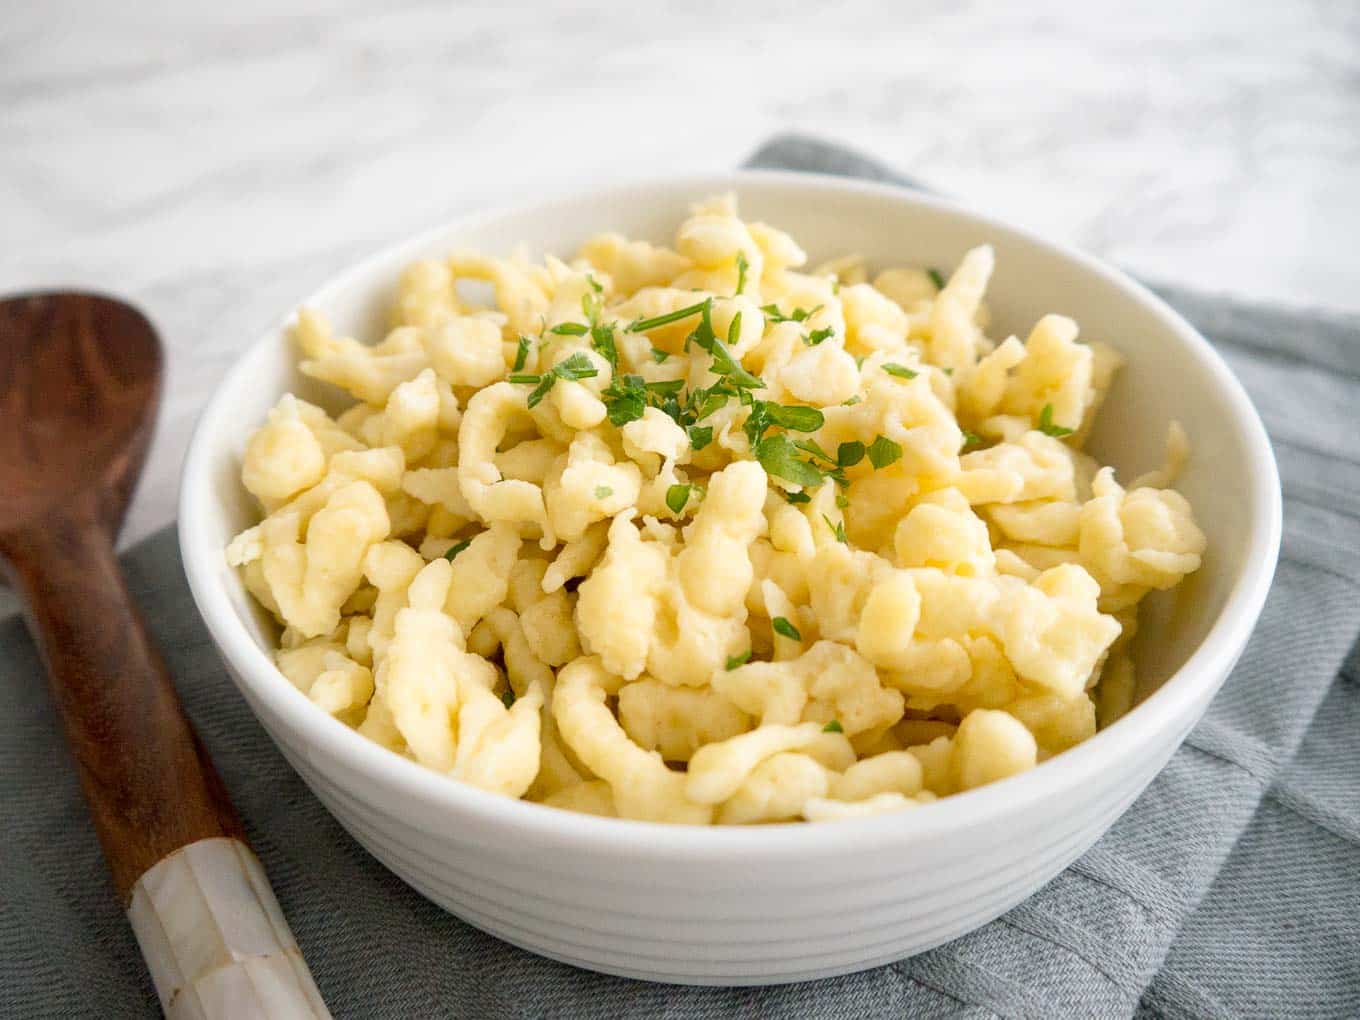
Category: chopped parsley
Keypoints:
(849, 454)
(642, 325)
(602, 343)
(852, 401)
(783, 627)
(901, 371)
(971, 439)
(837, 529)
(798, 497)
(603, 492)
(842, 500)
(570, 329)
(521, 353)
(699, 436)
(677, 496)
(773, 313)
(1046, 425)
(834, 726)
(576, 367)
(778, 456)
(625, 398)
(733, 661)
(818, 335)
(456, 548)
(508, 697)
(936, 278)
(742, 266)
(659, 356)
(883, 451)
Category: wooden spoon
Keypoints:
(79, 384)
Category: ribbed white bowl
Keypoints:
(787, 902)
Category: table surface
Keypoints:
(216, 162)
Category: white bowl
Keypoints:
(783, 902)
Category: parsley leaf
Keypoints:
(818, 335)
(666, 387)
(545, 383)
(659, 355)
(625, 399)
(603, 492)
(970, 439)
(811, 446)
(901, 371)
(742, 266)
(642, 325)
(508, 697)
(578, 366)
(837, 529)
(849, 454)
(1046, 425)
(521, 353)
(776, 456)
(773, 313)
(796, 417)
(834, 726)
(883, 451)
(852, 401)
(456, 548)
(570, 329)
(797, 497)
(936, 278)
(699, 436)
(788, 630)
(733, 661)
(602, 342)
(677, 496)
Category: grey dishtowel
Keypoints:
(1231, 887)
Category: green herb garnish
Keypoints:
(818, 335)
(625, 398)
(936, 278)
(883, 451)
(699, 436)
(456, 548)
(971, 439)
(777, 456)
(508, 697)
(642, 325)
(733, 661)
(676, 498)
(852, 401)
(521, 353)
(901, 371)
(659, 356)
(837, 529)
(834, 726)
(742, 266)
(603, 492)
(773, 313)
(576, 367)
(849, 454)
(570, 329)
(783, 627)
(798, 497)
(1046, 425)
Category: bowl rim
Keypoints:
(1175, 704)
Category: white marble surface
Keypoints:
(214, 162)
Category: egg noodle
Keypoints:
(694, 535)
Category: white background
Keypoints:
(215, 162)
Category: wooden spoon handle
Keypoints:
(213, 935)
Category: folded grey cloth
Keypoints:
(1230, 889)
